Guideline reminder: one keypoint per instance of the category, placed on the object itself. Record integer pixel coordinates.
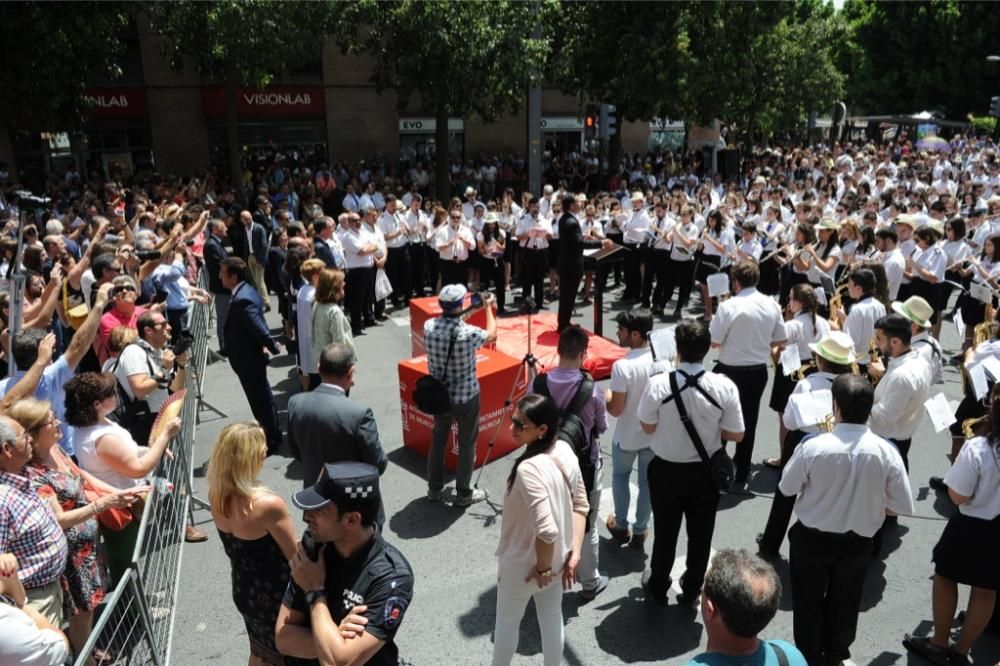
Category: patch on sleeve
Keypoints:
(394, 609)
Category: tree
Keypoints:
(907, 57)
(240, 42)
(54, 43)
(458, 58)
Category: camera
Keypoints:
(479, 298)
(148, 255)
(184, 341)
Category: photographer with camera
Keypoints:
(451, 345)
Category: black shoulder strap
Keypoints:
(686, 420)
(779, 653)
(540, 386)
(584, 391)
(451, 347)
(689, 381)
(935, 352)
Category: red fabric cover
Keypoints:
(512, 340)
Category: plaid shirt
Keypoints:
(29, 531)
(461, 378)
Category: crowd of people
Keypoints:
(833, 265)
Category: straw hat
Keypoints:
(836, 347)
(637, 196)
(828, 223)
(936, 227)
(916, 309)
(908, 220)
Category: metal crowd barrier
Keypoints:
(136, 621)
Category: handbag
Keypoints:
(112, 519)
(431, 394)
(75, 316)
(382, 285)
(719, 466)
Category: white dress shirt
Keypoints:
(661, 226)
(976, 474)
(933, 260)
(454, 241)
(417, 223)
(680, 252)
(389, 223)
(750, 249)
(536, 228)
(801, 331)
(629, 375)
(746, 327)
(816, 274)
(894, 264)
(860, 325)
(817, 381)
(636, 225)
(845, 480)
(930, 350)
(353, 241)
(670, 441)
(900, 397)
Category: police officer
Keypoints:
(347, 598)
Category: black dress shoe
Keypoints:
(937, 483)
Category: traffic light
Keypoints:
(609, 122)
(995, 106)
(590, 121)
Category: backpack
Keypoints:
(133, 415)
(571, 428)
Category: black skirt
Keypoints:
(782, 387)
(929, 292)
(705, 265)
(973, 310)
(968, 552)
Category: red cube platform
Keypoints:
(497, 373)
(422, 309)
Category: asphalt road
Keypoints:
(451, 550)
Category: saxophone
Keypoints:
(835, 303)
(874, 354)
(826, 425)
(969, 426)
(984, 330)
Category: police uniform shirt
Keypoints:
(929, 350)
(636, 226)
(708, 420)
(845, 480)
(353, 240)
(976, 475)
(453, 240)
(746, 327)
(818, 381)
(894, 265)
(680, 252)
(860, 325)
(900, 397)
(377, 576)
(535, 228)
(389, 223)
(801, 331)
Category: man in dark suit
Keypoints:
(322, 230)
(214, 253)
(250, 244)
(325, 426)
(246, 337)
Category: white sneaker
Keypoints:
(477, 495)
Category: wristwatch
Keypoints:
(313, 595)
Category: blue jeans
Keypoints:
(621, 469)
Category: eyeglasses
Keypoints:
(457, 218)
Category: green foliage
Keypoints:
(241, 41)
(983, 124)
(53, 51)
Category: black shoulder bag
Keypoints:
(720, 466)
(431, 394)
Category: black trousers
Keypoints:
(680, 490)
(750, 381)
(633, 274)
(397, 269)
(356, 294)
(680, 274)
(647, 256)
(431, 260)
(569, 285)
(491, 271)
(257, 389)
(535, 266)
(661, 266)
(417, 252)
(782, 505)
(903, 446)
(828, 576)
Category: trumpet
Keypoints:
(826, 425)
(972, 427)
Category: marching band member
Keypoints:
(803, 328)
(919, 312)
(833, 356)
(925, 268)
(533, 235)
(658, 255)
(593, 230)
(717, 244)
(864, 311)
(957, 250)
(418, 225)
(886, 241)
(680, 275)
(454, 241)
(905, 224)
(634, 233)
(824, 257)
(749, 247)
(772, 232)
(748, 325)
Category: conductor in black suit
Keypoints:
(247, 337)
(214, 253)
(325, 426)
(569, 262)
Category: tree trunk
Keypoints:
(442, 172)
(233, 138)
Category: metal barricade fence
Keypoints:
(136, 622)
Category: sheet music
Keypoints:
(959, 324)
(790, 361)
(811, 408)
(718, 284)
(820, 295)
(663, 343)
(941, 413)
(977, 376)
(991, 364)
(591, 252)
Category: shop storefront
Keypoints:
(562, 135)
(417, 139)
(286, 122)
(665, 134)
(115, 142)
